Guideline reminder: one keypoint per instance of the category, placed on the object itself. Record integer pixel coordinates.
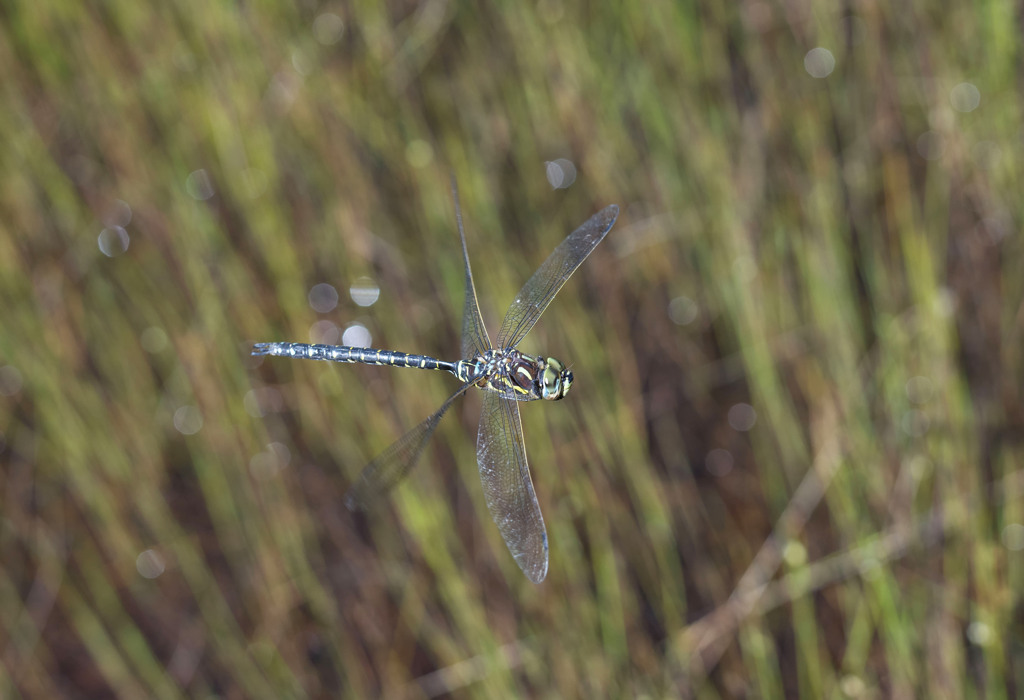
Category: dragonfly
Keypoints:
(507, 376)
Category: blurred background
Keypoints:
(790, 461)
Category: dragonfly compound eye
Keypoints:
(555, 380)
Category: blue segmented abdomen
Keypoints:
(345, 353)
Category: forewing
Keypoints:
(540, 289)
(380, 475)
(508, 488)
(474, 333)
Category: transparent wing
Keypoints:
(380, 475)
(540, 289)
(474, 333)
(508, 489)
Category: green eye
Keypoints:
(555, 380)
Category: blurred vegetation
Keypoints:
(827, 252)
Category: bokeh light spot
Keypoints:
(188, 420)
(281, 451)
(364, 292)
(323, 297)
(113, 241)
(683, 311)
(198, 185)
(328, 28)
(794, 553)
(324, 332)
(1013, 537)
(965, 97)
(356, 335)
(742, 417)
(561, 173)
(419, 153)
(819, 62)
(283, 89)
(120, 214)
(852, 686)
(270, 462)
(150, 564)
(302, 62)
(979, 634)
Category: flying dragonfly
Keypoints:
(507, 377)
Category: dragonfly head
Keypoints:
(555, 380)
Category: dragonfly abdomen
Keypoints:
(346, 353)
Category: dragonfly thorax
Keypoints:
(517, 375)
